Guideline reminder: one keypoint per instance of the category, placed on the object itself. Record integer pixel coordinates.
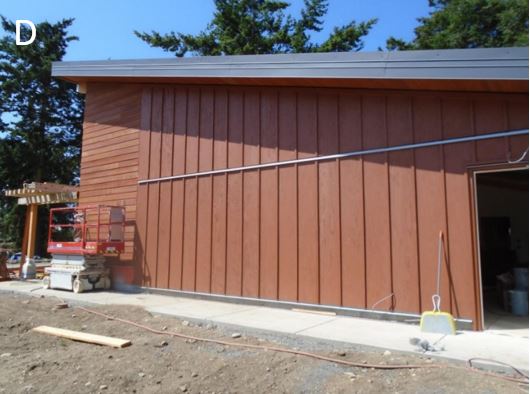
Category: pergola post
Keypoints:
(25, 240)
(35, 194)
(30, 234)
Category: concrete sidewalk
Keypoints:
(508, 346)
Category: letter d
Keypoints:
(17, 31)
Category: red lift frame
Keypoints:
(101, 245)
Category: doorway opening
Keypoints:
(502, 210)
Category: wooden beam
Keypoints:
(49, 198)
(37, 188)
(33, 216)
(24, 241)
(50, 187)
(83, 336)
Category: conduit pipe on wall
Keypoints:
(419, 145)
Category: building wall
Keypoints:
(109, 158)
(348, 232)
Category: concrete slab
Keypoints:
(509, 346)
(280, 320)
(395, 336)
(198, 309)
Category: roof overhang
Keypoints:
(502, 69)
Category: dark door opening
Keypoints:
(502, 202)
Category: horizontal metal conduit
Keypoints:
(426, 144)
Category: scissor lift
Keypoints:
(79, 238)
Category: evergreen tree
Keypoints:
(40, 120)
(261, 27)
(469, 24)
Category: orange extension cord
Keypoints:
(523, 380)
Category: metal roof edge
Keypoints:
(476, 64)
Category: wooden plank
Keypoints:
(83, 336)
(50, 198)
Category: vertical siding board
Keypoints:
(517, 113)
(145, 133)
(177, 233)
(287, 199)
(190, 234)
(234, 194)
(251, 197)
(490, 117)
(189, 254)
(308, 263)
(166, 168)
(154, 188)
(403, 207)
(351, 203)
(164, 229)
(457, 116)
(269, 196)
(143, 173)
(204, 208)
(192, 136)
(430, 198)
(177, 203)
(329, 202)
(204, 232)
(219, 206)
(180, 127)
(377, 222)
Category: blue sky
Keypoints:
(105, 27)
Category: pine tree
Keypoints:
(469, 24)
(40, 120)
(242, 27)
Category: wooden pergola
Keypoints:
(34, 194)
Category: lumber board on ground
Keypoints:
(83, 336)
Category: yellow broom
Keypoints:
(436, 321)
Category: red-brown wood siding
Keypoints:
(110, 158)
(348, 232)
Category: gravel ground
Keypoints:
(37, 363)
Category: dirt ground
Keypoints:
(37, 363)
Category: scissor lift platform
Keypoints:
(79, 239)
